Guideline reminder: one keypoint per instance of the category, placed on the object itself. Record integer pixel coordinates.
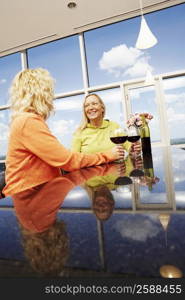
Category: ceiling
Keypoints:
(27, 23)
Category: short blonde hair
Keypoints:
(32, 90)
(85, 120)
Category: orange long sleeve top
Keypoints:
(36, 156)
(37, 207)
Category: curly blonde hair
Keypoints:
(32, 90)
(85, 120)
(48, 251)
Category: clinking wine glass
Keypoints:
(133, 136)
(119, 136)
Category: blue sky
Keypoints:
(62, 59)
(111, 57)
(168, 55)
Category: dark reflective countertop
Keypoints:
(89, 223)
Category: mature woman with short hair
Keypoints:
(34, 155)
(93, 133)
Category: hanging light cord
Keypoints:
(141, 7)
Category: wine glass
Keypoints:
(119, 136)
(136, 175)
(133, 136)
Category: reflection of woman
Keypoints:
(47, 251)
(45, 239)
(34, 154)
(99, 189)
(103, 203)
(94, 132)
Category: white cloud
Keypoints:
(2, 116)
(175, 117)
(68, 105)
(138, 228)
(174, 83)
(121, 60)
(157, 198)
(110, 96)
(3, 80)
(179, 178)
(75, 195)
(62, 127)
(178, 161)
(139, 68)
(4, 130)
(179, 195)
(119, 56)
(172, 98)
(137, 93)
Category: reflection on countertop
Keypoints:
(88, 223)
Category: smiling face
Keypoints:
(93, 108)
(103, 208)
(103, 203)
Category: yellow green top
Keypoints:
(109, 180)
(96, 139)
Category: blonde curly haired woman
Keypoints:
(34, 155)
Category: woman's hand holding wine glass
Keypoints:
(119, 153)
(118, 137)
(134, 137)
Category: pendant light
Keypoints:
(164, 220)
(170, 271)
(146, 38)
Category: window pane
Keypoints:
(68, 114)
(144, 100)
(112, 43)
(62, 59)
(178, 158)
(175, 101)
(116, 57)
(77, 197)
(66, 119)
(123, 197)
(113, 104)
(4, 129)
(156, 192)
(9, 66)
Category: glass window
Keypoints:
(143, 99)
(67, 117)
(4, 130)
(123, 196)
(77, 197)
(178, 158)
(68, 114)
(9, 66)
(174, 89)
(62, 59)
(113, 103)
(116, 57)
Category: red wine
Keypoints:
(119, 139)
(133, 139)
